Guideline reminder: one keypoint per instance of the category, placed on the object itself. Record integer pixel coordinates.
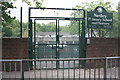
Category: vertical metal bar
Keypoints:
(10, 69)
(35, 40)
(115, 69)
(83, 54)
(94, 69)
(34, 70)
(83, 40)
(30, 43)
(22, 70)
(110, 69)
(15, 70)
(4, 67)
(63, 69)
(90, 70)
(91, 32)
(102, 34)
(58, 71)
(99, 33)
(74, 70)
(30, 35)
(40, 70)
(79, 69)
(46, 69)
(29, 70)
(105, 69)
(56, 39)
(34, 55)
(79, 39)
(58, 35)
(118, 68)
(21, 22)
(99, 69)
(84, 71)
(52, 70)
(57, 44)
(68, 70)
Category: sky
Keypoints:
(51, 4)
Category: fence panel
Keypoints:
(11, 69)
(106, 68)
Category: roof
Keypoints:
(52, 33)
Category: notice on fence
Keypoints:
(99, 18)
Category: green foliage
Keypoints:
(10, 25)
(7, 32)
(90, 6)
(46, 27)
(73, 28)
(65, 28)
(13, 29)
(6, 18)
(107, 5)
(27, 2)
(38, 3)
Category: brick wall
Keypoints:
(17, 48)
(103, 47)
(14, 48)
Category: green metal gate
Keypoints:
(57, 44)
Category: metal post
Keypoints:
(83, 39)
(57, 43)
(91, 32)
(79, 40)
(105, 68)
(21, 22)
(22, 70)
(99, 33)
(118, 69)
(102, 34)
(34, 53)
(30, 40)
(30, 36)
(110, 32)
(29, 31)
(30, 50)
(35, 39)
(83, 55)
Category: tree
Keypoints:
(25, 29)
(7, 32)
(73, 28)
(6, 19)
(107, 5)
(49, 27)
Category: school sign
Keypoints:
(99, 18)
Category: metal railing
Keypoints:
(104, 68)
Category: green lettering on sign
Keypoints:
(99, 18)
